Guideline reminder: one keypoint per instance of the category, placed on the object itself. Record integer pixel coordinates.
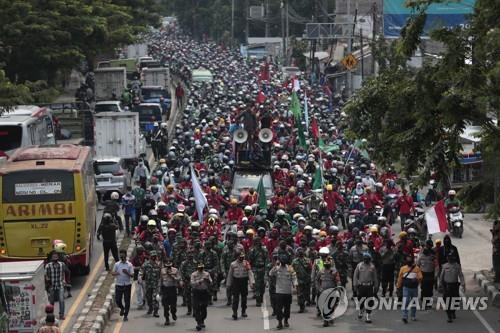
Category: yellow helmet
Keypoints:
(403, 234)
(162, 160)
(234, 201)
(373, 229)
(60, 247)
(250, 232)
(170, 187)
(214, 188)
(438, 241)
(329, 187)
(151, 223)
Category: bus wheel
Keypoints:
(85, 270)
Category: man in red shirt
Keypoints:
(369, 199)
(250, 198)
(332, 198)
(234, 213)
(291, 200)
(216, 200)
(405, 205)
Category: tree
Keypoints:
(414, 117)
(40, 40)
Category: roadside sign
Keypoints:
(349, 61)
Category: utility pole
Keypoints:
(267, 18)
(374, 33)
(349, 50)
(362, 56)
(283, 31)
(247, 22)
(287, 26)
(232, 22)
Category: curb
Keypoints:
(488, 288)
(105, 311)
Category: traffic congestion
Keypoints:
(241, 188)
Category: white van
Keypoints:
(26, 125)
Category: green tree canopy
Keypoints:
(413, 117)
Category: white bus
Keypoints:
(26, 125)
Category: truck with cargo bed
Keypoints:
(110, 83)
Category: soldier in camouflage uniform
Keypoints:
(178, 257)
(303, 268)
(341, 260)
(227, 257)
(187, 268)
(196, 246)
(211, 261)
(258, 257)
(151, 277)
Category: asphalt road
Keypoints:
(475, 251)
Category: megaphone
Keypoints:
(240, 135)
(265, 135)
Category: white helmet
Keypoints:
(382, 218)
(115, 196)
(324, 250)
(163, 125)
(452, 192)
(412, 231)
(213, 211)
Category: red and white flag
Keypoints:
(436, 218)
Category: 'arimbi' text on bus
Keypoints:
(39, 210)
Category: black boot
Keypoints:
(167, 322)
(302, 308)
(286, 323)
(280, 325)
(235, 315)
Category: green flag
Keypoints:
(302, 138)
(318, 180)
(295, 107)
(261, 192)
(327, 148)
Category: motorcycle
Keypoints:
(419, 218)
(390, 208)
(355, 219)
(456, 222)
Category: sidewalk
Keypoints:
(485, 279)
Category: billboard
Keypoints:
(439, 15)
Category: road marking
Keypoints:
(480, 318)
(83, 293)
(265, 314)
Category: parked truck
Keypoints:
(117, 135)
(110, 83)
(155, 77)
(137, 50)
(22, 288)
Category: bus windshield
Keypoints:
(10, 137)
(40, 186)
